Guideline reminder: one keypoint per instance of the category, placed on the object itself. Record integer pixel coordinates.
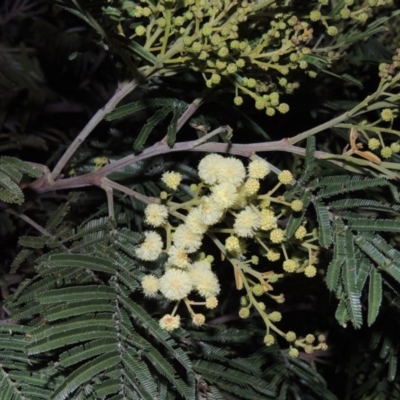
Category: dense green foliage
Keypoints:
(100, 101)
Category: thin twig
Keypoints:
(123, 89)
(145, 199)
(29, 221)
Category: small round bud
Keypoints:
(310, 271)
(300, 232)
(240, 63)
(262, 306)
(296, 205)
(211, 302)
(290, 336)
(374, 144)
(196, 47)
(310, 338)
(238, 100)
(258, 289)
(277, 235)
(163, 195)
(283, 108)
(198, 319)
(285, 177)
(387, 114)
(395, 147)
(273, 255)
(269, 340)
(309, 349)
(315, 15)
(270, 111)
(386, 152)
(290, 266)
(251, 83)
(140, 30)
(275, 316)
(293, 352)
(231, 68)
(332, 31)
(223, 52)
(321, 338)
(244, 312)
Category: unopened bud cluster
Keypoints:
(256, 46)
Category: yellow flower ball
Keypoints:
(150, 285)
(244, 312)
(386, 152)
(290, 266)
(374, 144)
(269, 340)
(387, 114)
(258, 289)
(275, 316)
(310, 271)
(258, 169)
(211, 302)
(300, 232)
(175, 284)
(285, 177)
(172, 179)
(290, 336)
(277, 235)
(296, 205)
(198, 319)
(293, 352)
(169, 322)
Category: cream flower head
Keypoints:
(258, 169)
(246, 223)
(178, 257)
(186, 240)
(151, 248)
(223, 195)
(150, 285)
(170, 322)
(156, 214)
(175, 284)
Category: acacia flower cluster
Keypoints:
(240, 222)
(236, 42)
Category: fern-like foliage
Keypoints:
(349, 228)
(80, 333)
(11, 173)
(163, 106)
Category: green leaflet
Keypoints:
(11, 171)
(85, 373)
(374, 295)
(34, 242)
(220, 375)
(19, 259)
(89, 350)
(82, 261)
(369, 224)
(126, 110)
(363, 203)
(110, 386)
(353, 297)
(144, 133)
(324, 224)
(337, 185)
(142, 373)
(77, 294)
(145, 54)
(341, 313)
